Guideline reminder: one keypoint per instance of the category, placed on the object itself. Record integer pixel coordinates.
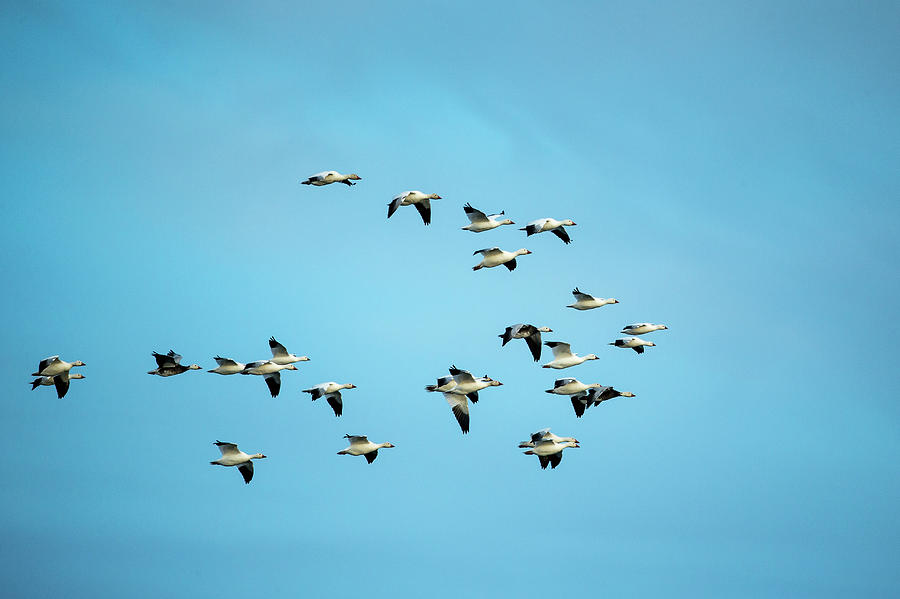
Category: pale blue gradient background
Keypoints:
(732, 168)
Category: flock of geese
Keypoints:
(458, 389)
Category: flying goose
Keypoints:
(530, 333)
(227, 366)
(461, 382)
(53, 365)
(570, 387)
(549, 224)
(232, 456)
(61, 381)
(594, 397)
(633, 343)
(328, 177)
(480, 222)
(170, 364)
(584, 301)
(280, 355)
(331, 391)
(270, 371)
(422, 202)
(495, 257)
(563, 356)
(549, 451)
(544, 435)
(642, 328)
(360, 445)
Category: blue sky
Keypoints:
(732, 170)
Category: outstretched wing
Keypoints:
(534, 344)
(578, 405)
(487, 251)
(555, 459)
(460, 406)
(370, 457)
(273, 382)
(334, 400)
(226, 448)
(475, 216)
(562, 234)
(246, 470)
(357, 439)
(62, 384)
(511, 264)
(560, 349)
(46, 362)
(424, 208)
(581, 297)
(278, 350)
(544, 461)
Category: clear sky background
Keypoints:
(732, 168)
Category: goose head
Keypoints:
(522, 252)
(303, 359)
(568, 222)
(290, 367)
(627, 394)
(506, 222)
(650, 343)
(434, 196)
(591, 357)
(354, 176)
(257, 456)
(545, 329)
(76, 376)
(194, 367)
(388, 445)
(351, 386)
(78, 363)
(663, 327)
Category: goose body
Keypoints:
(422, 202)
(495, 257)
(60, 381)
(642, 328)
(584, 301)
(461, 382)
(360, 445)
(280, 355)
(53, 365)
(549, 452)
(563, 356)
(530, 333)
(232, 456)
(331, 391)
(271, 373)
(557, 227)
(570, 387)
(328, 177)
(170, 364)
(594, 397)
(546, 435)
(480, 222)
(227, 366)
(633, 343)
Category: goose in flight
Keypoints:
(281, 356)
(360, 445)
(549, 451)
(422, 202)
(480, 222)
(563, 356)
(633, 343)
(495, 257)
(331, 391)
(584, 301)
(460, 387)
(557, 227)
(530, 333)
(594, 397)
(570, 387)
(53, 365)
(642, 328)
(227, 366)
(270, 371)
(170, 364)
(328, 177)
(232, 456)
(61, 381)
(544, 435)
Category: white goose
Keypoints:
(495, 257)
(461, 382)
(584, 301)
(594, 397)
(170, 364)
(530, 333)
(331, 391)
(633, 343)
(480, 222)
(227, 366)
(328, 177)
(422, 202)
(232, 456)
(360, 445)
(549, 451)
(546, 435)
(570, 387)
(642, 328)
(280, 355)
(53, 365)
(563, 356)
(61, 381)
(270, 371)
(549, 224)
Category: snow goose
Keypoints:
(563, 356)
(570, 387)
(61, 381)
(461, 382)
(422, 202)
(53, 365)
(232, 456)
(270, 371)
(594, 397)
(530, 333)
(480, 222)
(495, 257)
(170, 364)
(227, 366)
(360, 445)
(642, 328)
(633, 343)
(584, 301)
(544, 435)
(280, 355)
(328, 177)
(331, 391)
(549, 224)
(549, 451)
